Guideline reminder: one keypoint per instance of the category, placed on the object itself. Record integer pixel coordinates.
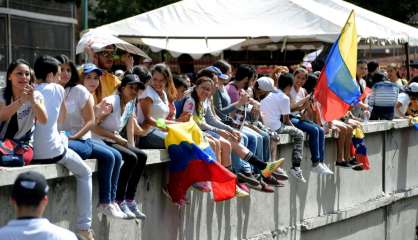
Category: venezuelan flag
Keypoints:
(193, 160)
(337, 90)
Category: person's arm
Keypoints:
(38, 108)
(62, 113)
(212, 121)
(89, 120)
(217, 101)
(7, 111)
(146, 105)
(298, 106)
(398, 109)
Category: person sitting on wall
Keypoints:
(29, 199)
(383, 98)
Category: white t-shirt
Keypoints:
(159, 107)
(76, 99)
(116, 120)
(34, 229)
(47, 142)
(296, 97)
(25, 116)
(273, 107)
(404, 99)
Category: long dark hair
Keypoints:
(75, 78)
(8, 93)
(196, 99)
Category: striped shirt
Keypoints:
(385, 94)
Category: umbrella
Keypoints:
(101, 39)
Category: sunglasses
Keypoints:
(107, 54)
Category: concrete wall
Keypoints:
(378, 204)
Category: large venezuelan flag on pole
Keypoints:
(337, 89)
(193, 160)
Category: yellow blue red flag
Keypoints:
(193, 160)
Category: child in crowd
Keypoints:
(20, 106)
(120, 115)
(275, 110)
(154, 104)
(302, 106)
(383, 99)
(77, 125)
(49, 146)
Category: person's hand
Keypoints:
(184, 117)
(120, 140)
(103, 109)
(28, 93)
(243, 98)
(237, 135)
(92, 56)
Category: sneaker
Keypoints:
(265, 187)
(280, 174)
(244, 177)
(272, 181)
(86, 234)
(110, 211)
(202, 186)
(319, 169)
(239, 192)
(117, 208)
(297, 173)
(355, 165)
(326, 168)
(135, 210)
(343, 164)
(271, 167)
(124, 208)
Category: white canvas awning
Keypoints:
(197, 27)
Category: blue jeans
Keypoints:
(154, 140)
(252, 140)
(239, 165)
(109, 162)
(266, 145)
(316, 138)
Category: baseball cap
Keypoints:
(413, 87)
(266, 84)
(29, 188)
(90, 67)
(129, 79)
(218, 72)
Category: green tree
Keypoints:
(400, 10)
(107, 11)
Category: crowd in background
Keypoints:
(56, 112)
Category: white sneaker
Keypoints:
(110, 211)
(117, 208)
(124, 208)
(327, 170)
(319, 169)
(297, 173)
(135, 210)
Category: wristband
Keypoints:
(161, 123)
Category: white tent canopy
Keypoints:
(197, 27)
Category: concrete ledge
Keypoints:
(51, 171)
(356, 210)
(157, 156)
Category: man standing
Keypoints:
(29, 199)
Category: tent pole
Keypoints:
(406, 45)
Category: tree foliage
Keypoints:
(107, 11)
(400, 10)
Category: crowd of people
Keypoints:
(56, 112)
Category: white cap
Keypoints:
(266, 84)
(413, 87)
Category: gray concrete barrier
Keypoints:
(377, 204)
